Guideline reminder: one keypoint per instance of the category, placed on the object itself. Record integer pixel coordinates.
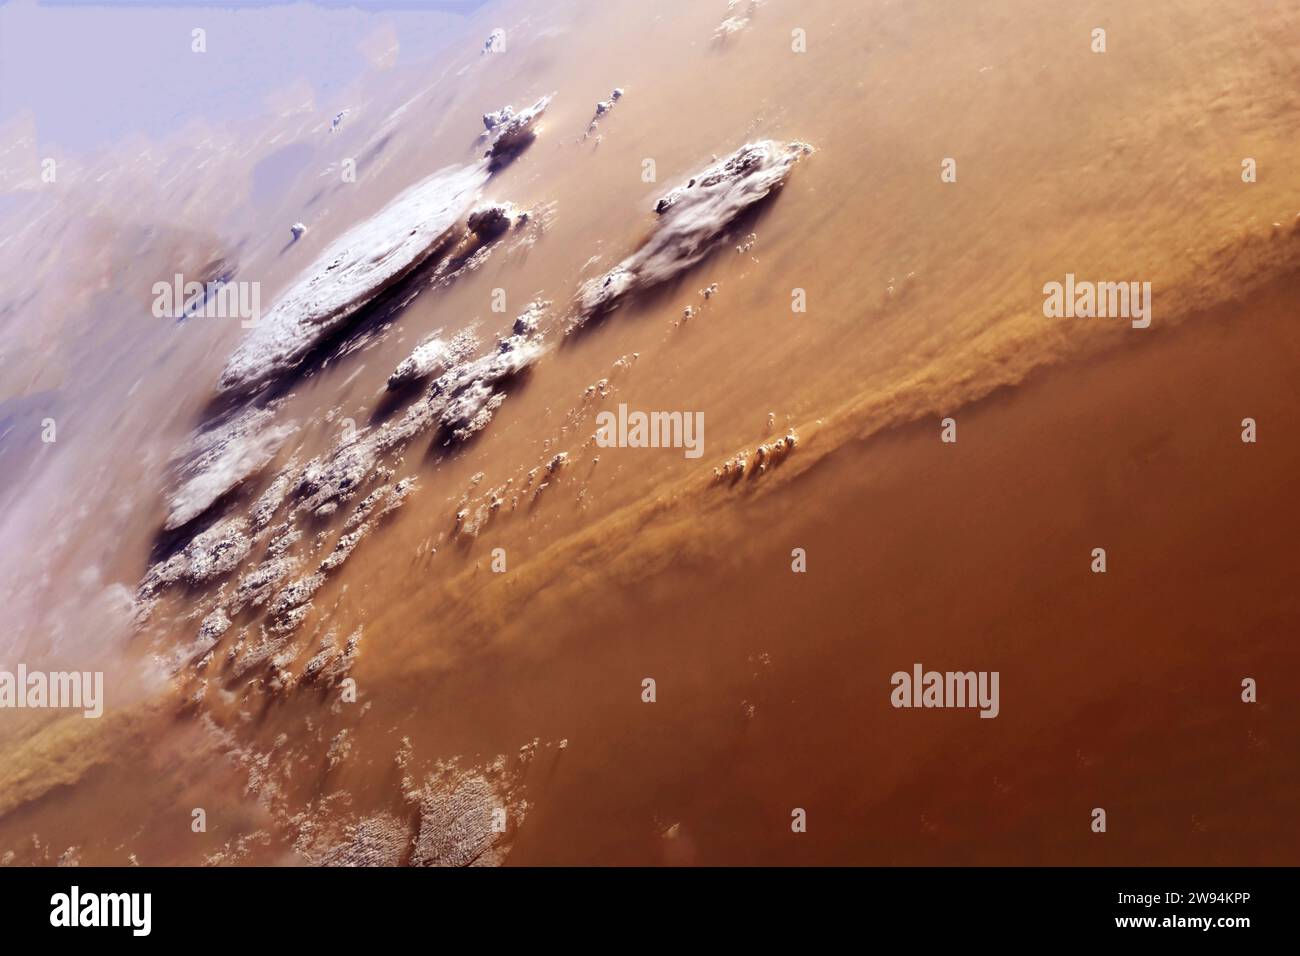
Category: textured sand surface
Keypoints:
(353, 536)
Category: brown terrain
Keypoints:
(521, 691)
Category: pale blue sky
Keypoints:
(92, 72)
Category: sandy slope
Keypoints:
(925, 300)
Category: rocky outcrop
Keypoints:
(358, 266)
(456, 825)
(692, 218)
(220, 458)
(211, 554)
(515, 134)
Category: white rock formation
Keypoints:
(429, 357)
(692, 218)
(513, 135)
(220, 458)
(356, 267)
